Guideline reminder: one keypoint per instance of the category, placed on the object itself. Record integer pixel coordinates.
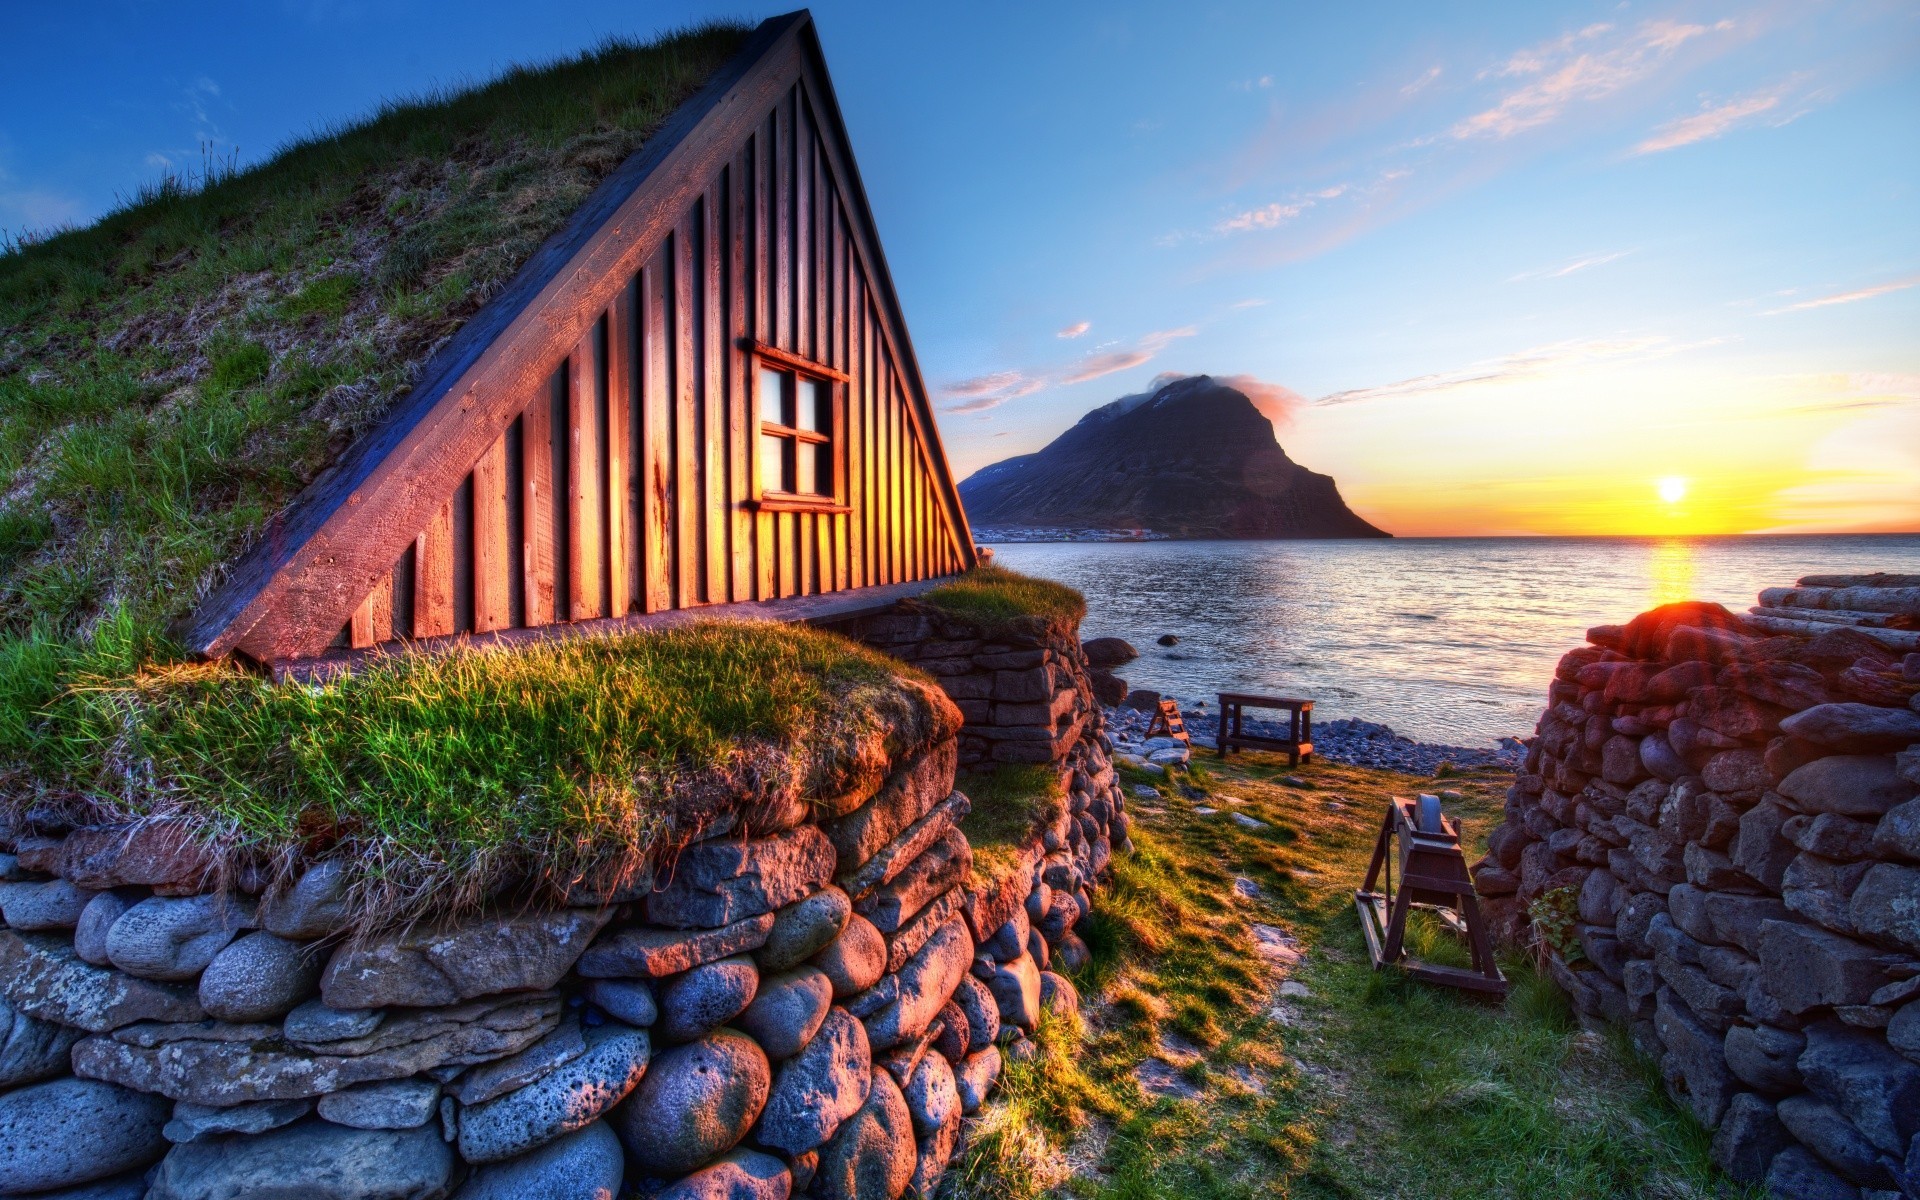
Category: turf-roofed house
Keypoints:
(488, 639)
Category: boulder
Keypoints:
(90, 932)
(819, 1087)
(804, 928)
(738, 1175)
(975, 999)
(1877, 1089)
(1660, 759)
(698, 1001)
(586, 1164)
(1855, 728)
(1853, 785)
(908, 794)
(42, 907)
(933, 1153)
(1819, 888)
(191, 1122)
(439, 965)
(1796, 1173)
(1061, 1000)
(173, 940)
(1748, 1138)
(1898, 833)
(390, 1104)
(787, 1011)
(316, 905)
(312, 1023)
(956, 1033)
(568, 1098)
(1805, 967)
(311, 1160)
(72, 1131)
(1016, 992)
(1765, 1058)
(215, 1064)
(893, 858)
(1822, 1129)
(489, 1080)
(1759, 849)
(642, 953)
(1109, 690)
(932, 1096)
(41, 976)
(873, 1153)
(945, 864)
(31, 1049)
(1108, 652)
(719, 882)
(1694, 1058)
(258, 977)
(1886, 905)
(166, 855)
(926, 982)
(695, 1103)
(855, 960)
(1741, 770)
(975, 1077)
(627, 1000)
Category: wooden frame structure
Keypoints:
(1298, 744)
(587, 451)
(1433, 876)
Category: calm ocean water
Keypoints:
(1445, 639)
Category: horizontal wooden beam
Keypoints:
(829, 606)
(798, 362)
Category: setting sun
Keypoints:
(1673, 489)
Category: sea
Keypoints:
(1446, 640)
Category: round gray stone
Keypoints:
(73, 1131)
(1058, 996)
(804, 928)
(259, 977)
(696, 1102)
(933, 1098)
(42, 907)
(975, 1077)
(173, 940)
(983, 1013)
(855, 960)
(872, 1155)
(90, 932)
(818, 1088)
(629, 1000)
(583, 1165)
(700, 1000)
(388, 1104)
(787, 1011)
(571, 1096)
(739, 1175)
(955, 1033)
(32, 1049)
(309, 1161)
(191, 1122)
(313, 1023)
(315, 906)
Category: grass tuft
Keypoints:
(995, 597)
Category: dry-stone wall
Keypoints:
(810, 1010)
(1736, 813)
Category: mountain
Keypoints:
(1193, 459)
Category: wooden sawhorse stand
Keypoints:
(1298, 743)
(1433, 876)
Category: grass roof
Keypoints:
(173, 375)
(995, 598)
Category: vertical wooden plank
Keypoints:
(765, 266)
(403, 586)
(783, 547)
(805, 280)
(689, 545)
(782, 187)
(619, 406)
(372, 622)
(854, 436)
(714, 355)
(492, 554)
(433, 576)
(585, 567)
(657, 431)
(739, 414)
(463, 556)
(537, 509)
(842, 406)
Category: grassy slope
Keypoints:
(993, 597)
(171, 376)
(1372, 1086)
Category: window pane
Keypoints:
(804, 483)
(823, 468)
(774, 473)
(773, 396)
(813, 405)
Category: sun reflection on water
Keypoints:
(1670, 571)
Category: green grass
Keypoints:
(1371, 1086)
(1010, 802)
(171, 376)
(994, 598)
(441, 778)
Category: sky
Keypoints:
(1498, 268)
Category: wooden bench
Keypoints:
(1298, 743)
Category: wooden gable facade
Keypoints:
(699, 393)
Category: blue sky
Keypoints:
(1498, 268)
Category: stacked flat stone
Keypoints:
(1024, 688)
(1737, 811)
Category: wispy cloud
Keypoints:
(1075, 330)
(1276, 402)
(1532, 363)
(1717, 120)
(984, 392)
(1280, 212)
(1566, 269)
(1868, 293)
(1421, 83)
(1577, 67)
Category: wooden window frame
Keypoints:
(774, 359)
